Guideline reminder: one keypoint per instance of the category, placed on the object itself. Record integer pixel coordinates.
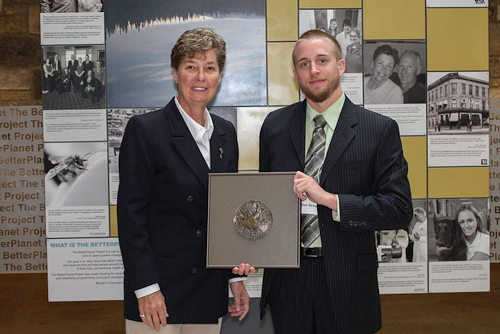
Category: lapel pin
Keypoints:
(221, 152)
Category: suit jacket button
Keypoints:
(199, 233)
(190, 199)
(194, 271)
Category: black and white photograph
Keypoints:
(343, 24)
(458, 103)
(392, 245)
(117, 121)
(459, 229)
(394, 72)
(417, 233)
(139, 39)
(74, 77)
(76, 174)
(71, 6)
(402, 254)
(405, 245)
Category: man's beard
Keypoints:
(321, 96)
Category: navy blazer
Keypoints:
(162, 214)
(365, 167)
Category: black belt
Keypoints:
(311, 252)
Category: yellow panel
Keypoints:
(330, 3)
(113, 221)
(249, 121)
(282, 20)
(391, 19)
(459, 182)
(454, 45)
(415, 152)
(282, 87)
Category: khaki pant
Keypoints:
(135, 327)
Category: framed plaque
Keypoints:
(253, 218)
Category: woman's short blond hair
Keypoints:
(198, 40)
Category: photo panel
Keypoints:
(140, 39)
(395, 82)
(459, 244)
(458, 228)
(76, 202)
(74, 77)
(402, 254)
(458, 118)
(346, 25)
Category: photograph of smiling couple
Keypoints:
(394, 72)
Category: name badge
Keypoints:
(309, 208)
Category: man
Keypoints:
(72, 63)
(408, 70)
(360, 186)
(88, 64)
(58, 6)
(57, 71)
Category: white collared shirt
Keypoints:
(201, 134)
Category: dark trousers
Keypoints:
(302, 303)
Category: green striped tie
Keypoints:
(313, 166)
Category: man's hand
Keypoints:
(241, 298)
(244, 269)
(153, 310)
(306, 187)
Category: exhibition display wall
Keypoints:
(104, 66)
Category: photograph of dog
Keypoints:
(449, 243)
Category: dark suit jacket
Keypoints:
(72, 64)
(162, 214)
(365, 167)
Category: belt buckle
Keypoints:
(312, 252)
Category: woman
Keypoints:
(354, 56)
(79, 75)
(164, 161)
(48, 76)
(379, 89)
(477, 241)
(333, 27)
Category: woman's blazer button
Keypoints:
(190, 199)
(199, 233)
